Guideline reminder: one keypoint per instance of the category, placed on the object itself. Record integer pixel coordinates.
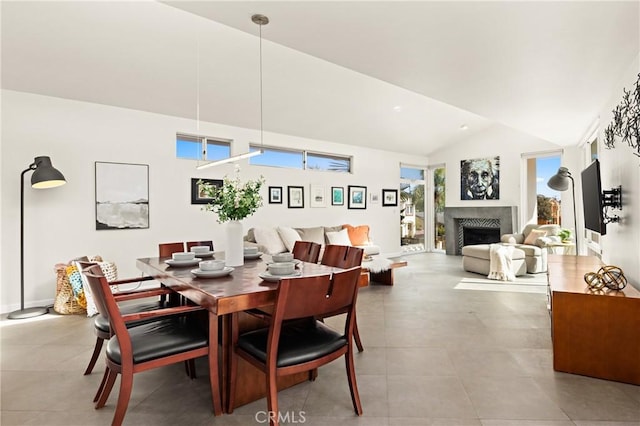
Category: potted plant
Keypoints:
(564, 234)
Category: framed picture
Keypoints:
(480, 179)
(197, 195)
(122, 196)
(295, 197)
(275, 195)
(337, 196)
(374, 198)
(389, 197)
(318, 196)
(357, 197)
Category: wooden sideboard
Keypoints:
(594, 334)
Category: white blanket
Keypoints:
(500, 263)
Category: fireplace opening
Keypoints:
(479, 235)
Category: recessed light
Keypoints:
(464, 127)
(397, 108)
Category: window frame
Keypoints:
(204, 142)
(305, 155)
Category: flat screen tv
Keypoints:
(592, 199)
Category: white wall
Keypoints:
(60, 222)
(496, 140)
(619, 166)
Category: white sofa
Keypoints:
(279, 239)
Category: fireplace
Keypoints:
(480, 235)
(504, 218)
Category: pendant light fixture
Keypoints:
(259, 20)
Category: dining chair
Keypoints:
(306, 251)
(208, 243)
(344, 257)
(175, 336)
(294, 341)
(167, 249)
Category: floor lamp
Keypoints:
(44, 176)
(560, 182)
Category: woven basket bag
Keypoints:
(65, 302)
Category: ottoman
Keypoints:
(475, 258)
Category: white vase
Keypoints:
(234, 253)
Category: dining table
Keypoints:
(240, 290)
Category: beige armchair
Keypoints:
(534, 240)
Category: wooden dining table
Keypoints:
(241, 290)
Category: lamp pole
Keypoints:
(31, 312)
(45, 176)
(575, 216)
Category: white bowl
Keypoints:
(200, 249)
(211, 265)
(282, 268)
(282, 257)
(186, 255)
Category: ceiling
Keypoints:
(400, 76)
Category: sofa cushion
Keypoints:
(315, 234)
(331, 229)
(340, 238)
(269, 239)
(533, 236)
(358, 235)
(289, 236)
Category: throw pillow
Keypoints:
(289, 236)
(340, 238)
(269, 239)
(358, 235)
(533, 236)
(315, 234)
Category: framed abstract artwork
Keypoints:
(337, 196)
(197, 195)
(318, 196)
(275, 195)
(295, 198)
(357, 197)
(389, 197)
(122, 196)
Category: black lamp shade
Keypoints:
(560, 181)
(45, 175)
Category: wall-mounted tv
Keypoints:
(592, 199)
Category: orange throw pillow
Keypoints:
(358, 235)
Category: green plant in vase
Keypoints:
(565, 235)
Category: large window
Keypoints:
(202, 147)
(300, 159)
(412, 201)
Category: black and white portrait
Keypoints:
(480, 179)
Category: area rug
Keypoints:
(524, 284)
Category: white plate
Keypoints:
(275, 278)
(253, 256)
(191, 262)
(205, 254)
(212, 274)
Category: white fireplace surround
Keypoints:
(506, 216)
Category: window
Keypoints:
(300, 159)
(202, 147)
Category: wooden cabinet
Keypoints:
(595, 334)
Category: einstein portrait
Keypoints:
(480, 179)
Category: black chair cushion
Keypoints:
(102, 324)
(160, 339)
(300, 342)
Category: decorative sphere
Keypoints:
(612, 277)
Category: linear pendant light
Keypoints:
(260, 20)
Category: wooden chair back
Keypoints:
(207, 243)
(306, 251)
(344, 257)
(167, 249)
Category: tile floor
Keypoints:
(433, 356)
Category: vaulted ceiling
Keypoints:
(401, 76)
